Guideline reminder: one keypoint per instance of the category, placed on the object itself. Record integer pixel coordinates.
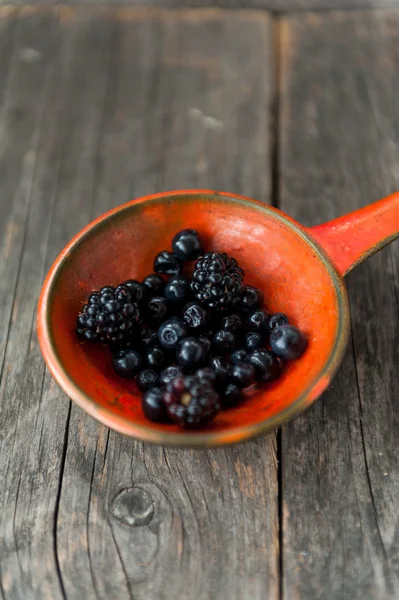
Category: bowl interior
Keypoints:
(276, 256)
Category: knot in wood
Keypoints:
(133, 506)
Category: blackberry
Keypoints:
(217, 280)
(136, 289)
(190, 401)
(110, 315)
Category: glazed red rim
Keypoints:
(201, 439)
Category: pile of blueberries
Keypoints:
(193, 343)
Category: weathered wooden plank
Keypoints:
(34, 413)
(28, 475)
(183, 108)
(339, 138)
(279, 6)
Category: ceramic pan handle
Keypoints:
(350, 239)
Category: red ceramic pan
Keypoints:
(299, 270)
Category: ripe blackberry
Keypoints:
(191, 402)
(110, 315)
(217, 280)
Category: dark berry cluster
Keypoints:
(194, 344)
(110, 315)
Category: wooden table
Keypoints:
(101, 105)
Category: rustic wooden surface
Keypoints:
(98, 106)
(277, 6)
(339, 140)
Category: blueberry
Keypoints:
(149, 337)
(191, 353)
(251, 298)
(168, 374)
(195, 316)
(287, 342)
(224, 340)
(206, 374)
(242, 374)
(167, 263)
(177, 289)
(253, 340)
(127, 362)
(135, 288)
(232, 322)
(147, 379)
(240, 355)
(277, 320)
(154, 285)
(221, 366)
(155, 358)
(267, 367)
(186, 244)
(231, 396)
(206, 342)
(258, 320)
(156, 309)
(153, 406)
(171, 332)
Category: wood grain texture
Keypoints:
(97, 107)
(277, 6)
(338, 151)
